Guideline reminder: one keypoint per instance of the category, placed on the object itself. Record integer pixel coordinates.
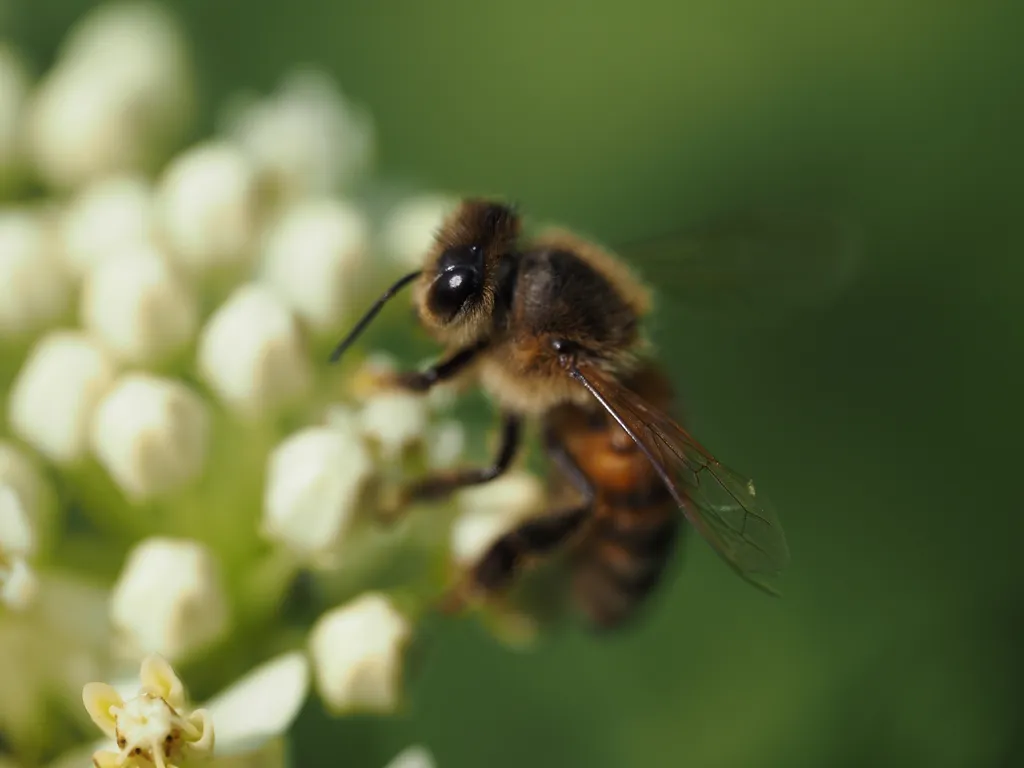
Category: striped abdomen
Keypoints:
(635, 522)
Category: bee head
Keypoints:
(455, 291)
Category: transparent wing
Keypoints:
(765, 259)
(724, 507)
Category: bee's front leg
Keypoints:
(422, 381)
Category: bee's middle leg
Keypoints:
(440, 484)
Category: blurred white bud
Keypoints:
(169, 598)
(412, 757)
(410, 227)
(138, 307)
(315, 479)
(19, 473)
(14, 88)
(18, 584)
(394, 421)
(17, 545)
(312, 256)
(35, 290)
(207, 206)
(491, 510)
(118, 97)
(251, 352)
(358, 652)
(151, 435)
(106, 217)
(445, 441)
(306, 139)
(52, 400)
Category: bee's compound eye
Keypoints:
(452, 289)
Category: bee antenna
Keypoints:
(372, 313)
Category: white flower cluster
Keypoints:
(165, 318)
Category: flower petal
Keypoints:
(200, 719)
(159, 679)
(261, 705)
(98, 699)
(105, 759)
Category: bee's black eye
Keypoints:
(458, 280)
(453, 288)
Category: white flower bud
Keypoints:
(394, 421)
(19, 473)
(105, 218)
(251, 353)
(142, 43)
(119, 95)
(169, 598)
(312, 258)
(306, 139)
(207, 206)
(80, 128)
(491, 510)
(34, 288)
(138, 307)
(151, 435)
(411, 226)
(18, 584)
(315, 480)
(413, 757)
(14, 88)
(445, 443)
(53, 398)
(17, 544)
(358, 652)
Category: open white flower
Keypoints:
(138, 307)
(249, 717)
(315, 480)
(106, 218)
(151, 434)
(312, 257)
(35, 290)
(170, 598)
(151, 728)
(52, 401)
(491, 510)
(411, 226)
(305, 139)
(251, 353)
(207, 206)
(358, 655)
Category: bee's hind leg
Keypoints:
(531, 540)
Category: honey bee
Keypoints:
(551, 327)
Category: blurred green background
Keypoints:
(885, 426)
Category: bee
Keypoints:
(552, 329)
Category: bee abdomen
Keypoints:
(632, 542)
